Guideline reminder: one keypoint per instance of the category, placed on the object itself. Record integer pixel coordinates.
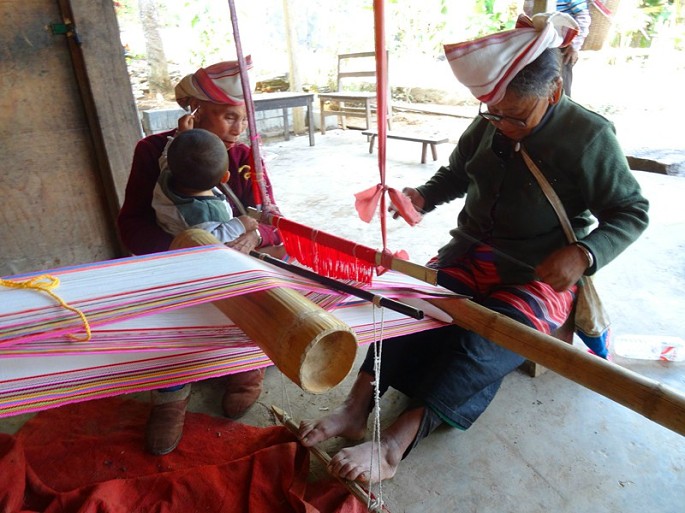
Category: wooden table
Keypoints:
(285, 101)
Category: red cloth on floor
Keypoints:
(90, 457)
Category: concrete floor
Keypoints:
(545, 444)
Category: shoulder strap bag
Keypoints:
(591, 319)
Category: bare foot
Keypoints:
(343, 421)
(354, 463)
(348, 419)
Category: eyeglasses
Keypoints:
(496, 118)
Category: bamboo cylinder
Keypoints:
(643, 395)
(310, 346)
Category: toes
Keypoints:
(353, 472)
(311, 433)
(336, 464)
(364, 477)
(347, 467)
(306, 427)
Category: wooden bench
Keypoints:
(425, 140)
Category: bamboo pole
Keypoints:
(649, 398)
(354, 487)
(643, 395)
(310, 346)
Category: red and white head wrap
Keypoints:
(486, 65)
(218, 83)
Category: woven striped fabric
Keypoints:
(153, 324)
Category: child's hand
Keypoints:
(186, 122)
(249, 223)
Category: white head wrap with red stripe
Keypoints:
(486, 65)
(218, 83)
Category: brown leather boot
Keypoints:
(242, 390)
(165, 424)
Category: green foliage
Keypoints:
(124, 9)
(211, 28)
(647, 19)
(490, 16)
(423, 27)
(417, 27)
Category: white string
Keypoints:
(374, 503)
(377, 504)
(285, 399)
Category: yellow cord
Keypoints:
(247, 173)
(46, 283)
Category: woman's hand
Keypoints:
(246, 242)
(186, 122)
(274, 251)
(563, 268)
(250, 241)
(570, 55)
(416, 199)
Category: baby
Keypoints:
(193, 165)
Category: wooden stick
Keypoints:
(376, 299)
(250, 111)
(355, 488)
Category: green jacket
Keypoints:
(577, 151)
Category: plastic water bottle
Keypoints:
(650, 347)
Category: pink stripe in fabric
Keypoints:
(166, 368)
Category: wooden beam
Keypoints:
(105, 90)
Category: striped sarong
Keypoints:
(475, 275)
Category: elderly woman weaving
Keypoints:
(508, 251)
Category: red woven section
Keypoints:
(326, 254)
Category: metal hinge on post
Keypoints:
(65, 29)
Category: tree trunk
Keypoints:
(158, 79)
(295, 81)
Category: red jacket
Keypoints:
(136, 222)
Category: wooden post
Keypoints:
(542, 6)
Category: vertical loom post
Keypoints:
(263, 195)
(314, 349)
